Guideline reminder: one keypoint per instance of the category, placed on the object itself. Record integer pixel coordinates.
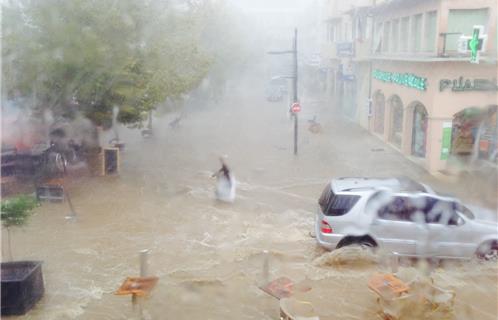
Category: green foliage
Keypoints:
(16, 211)
(226, 34)
(129, 115)
(90, 56)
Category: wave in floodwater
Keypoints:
(211, 257)
(354, 256)
(76, 301)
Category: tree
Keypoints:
(15, 212)
(87, 57)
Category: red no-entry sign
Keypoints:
(296, 107)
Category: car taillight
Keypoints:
(325, 227)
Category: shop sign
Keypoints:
(446, 141)
(462, 84)
(347, 77)
(344, 49)
(346, 71)
(405, 79)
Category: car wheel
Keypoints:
(364, 242)
(488, 251)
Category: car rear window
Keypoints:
(336, 204)
(325, 197)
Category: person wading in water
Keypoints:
(225, 186)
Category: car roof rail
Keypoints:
(357, 189)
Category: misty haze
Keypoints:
(238, 159)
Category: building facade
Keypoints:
(346, 54)
(428, 100)
(413, 83)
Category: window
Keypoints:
(348, 32)
(487, 135)
(325, 197)
(396, 132)
(475, 130)
(419, 131)
(438, 211)
(416, 33)
(357, 29)
(463, 21)
(404, 34)
(395, 36)
(421, 210)
(362, 27)
(430, 31)
(465, 211)
(368, 27)
(338, 205)
(399, 209)
(378, 38)
(385, 37)
(331, 33)
(338, 33)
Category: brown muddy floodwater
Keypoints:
(208, 255)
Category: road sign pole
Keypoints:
(295, 133)
(294, 85)
(295, 91)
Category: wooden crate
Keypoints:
(106, 162)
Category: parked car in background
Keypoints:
(403, 216)
(276, 89)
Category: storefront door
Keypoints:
(419, 133)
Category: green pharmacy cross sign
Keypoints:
(475, 44)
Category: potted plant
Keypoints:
(22, 281)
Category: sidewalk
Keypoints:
(370, 156)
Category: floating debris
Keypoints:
(417, 298)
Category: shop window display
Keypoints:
(474, 134)
(396, 131)
(419, 135)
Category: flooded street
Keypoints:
(209, 255)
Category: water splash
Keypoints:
(353, 256)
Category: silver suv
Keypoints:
(402, 216)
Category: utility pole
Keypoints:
(370, 68)
(295, 90)
(294, 78)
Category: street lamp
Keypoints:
(294, 78)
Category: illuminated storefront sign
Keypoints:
(405, 79)
(462, 84)
(476, 43)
